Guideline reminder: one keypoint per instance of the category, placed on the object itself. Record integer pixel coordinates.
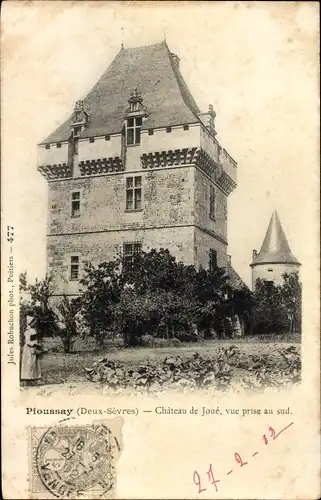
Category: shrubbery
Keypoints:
(277, 308)
(152, 294)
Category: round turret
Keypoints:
(275, 257)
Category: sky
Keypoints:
(256, 62)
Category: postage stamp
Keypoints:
(74, 461)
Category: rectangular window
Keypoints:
(58, 145)
(134, 193)
(213, 259)
(74, 267)
(107, 137)
(212, 201)
(168, 129)
(131, 249)
(186, 127)
(47, 146)
(150, 131)
(92, 139)
(225, 210)
(75, 203)
(133, 129)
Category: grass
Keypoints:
(61, 368)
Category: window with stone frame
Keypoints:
(75, 204)
(225, 210)
(75, 140)
(133, 128)
(213, 259)
(134, 192)
(130, 249)
(212, 202)
(74, 267)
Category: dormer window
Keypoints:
(76, 132)
(79, 117)
(134, 118)
(133, 129)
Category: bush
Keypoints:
(103, 287)
(269, 313)
(151, 293)
(68, 309)
(37, 305)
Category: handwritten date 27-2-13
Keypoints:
(271, 435)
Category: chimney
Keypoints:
(228, 259)
(254, 255)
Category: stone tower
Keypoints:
(275, 256)
(136, 166)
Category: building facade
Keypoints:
(136, 166)
(275, 257)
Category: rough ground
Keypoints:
(61, 370)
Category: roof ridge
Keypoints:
(185, 92)
(144, 46)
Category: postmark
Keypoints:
(73, 461)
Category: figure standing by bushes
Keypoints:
(30, 362)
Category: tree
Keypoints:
(38, 305)
(151, 292)
(155, 270)
(103, 289)
(291, 292)
(68, 309)
(269, 313)
(211, 300)
(241, 304)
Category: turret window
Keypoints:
(133, 129)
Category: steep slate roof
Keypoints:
(235, 280)
(275, 248)
(153, 71)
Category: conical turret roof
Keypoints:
(275, 248)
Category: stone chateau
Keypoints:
(136, 166)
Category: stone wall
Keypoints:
(100, 148)
(104, 246)
(203, 243)
(53, 155)
(272, 272)
(218, 224)
(167, 199)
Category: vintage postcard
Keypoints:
(160, 250)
